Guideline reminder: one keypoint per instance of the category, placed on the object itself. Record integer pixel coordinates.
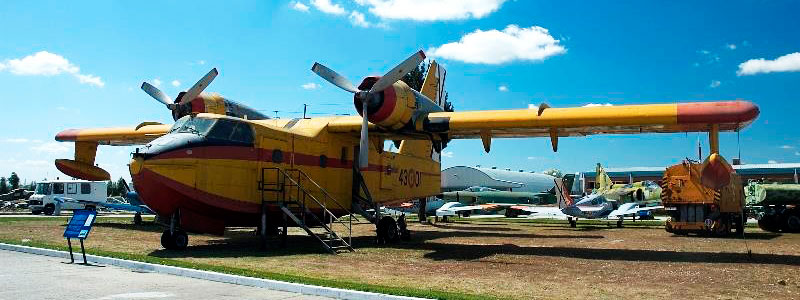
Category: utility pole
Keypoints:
(276, 114)
(305, 106)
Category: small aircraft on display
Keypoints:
(223, 164)
(607, 201)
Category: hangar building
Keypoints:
(461, 177)
(783, 172)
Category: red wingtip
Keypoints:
(422, 53)
(68, 135)
(717, 112)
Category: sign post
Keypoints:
(78, 228)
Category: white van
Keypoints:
(77, 194)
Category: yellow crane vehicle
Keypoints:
(695, 206)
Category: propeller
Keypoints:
(367, 96)
(190, 94)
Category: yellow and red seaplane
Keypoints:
(222, 164)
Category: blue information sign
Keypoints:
(80, 224)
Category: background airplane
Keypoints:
(607, 201)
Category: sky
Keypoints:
(67, 64)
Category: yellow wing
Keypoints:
(86, 141)
(576, 121)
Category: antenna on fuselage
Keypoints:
(276, 114)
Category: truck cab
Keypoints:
(73, 194)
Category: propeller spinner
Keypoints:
(367, 97)
(183, 97)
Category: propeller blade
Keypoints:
(156, 93)
(198, 87)
(398, 72)
(363, 148)
(333, 77)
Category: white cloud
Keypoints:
(44, 63)
(533, 106)
(797, 153)
(156, 82)
(51, 148)
(16, 140)
(298, 6)
(176, 83)
(598, 104)
(503, 88)
(447, 154)
(431, 10)
(787, 147)
(497, 47)
(327, 7)
(310, 86)
(787, 63)
(730, 46)
(357, 19)
(772, 162)
(714, 84)
(91, 79)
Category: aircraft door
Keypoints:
(274, 152)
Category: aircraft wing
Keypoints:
(574, 121)
(630, 208)
(538, 211)
(86, 141)
(117, 136)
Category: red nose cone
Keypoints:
(716, 172)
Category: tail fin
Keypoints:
(562, 194)
(602, 181)
(433, 87)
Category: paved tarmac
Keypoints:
(29, 276)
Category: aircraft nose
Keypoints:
(166, 144)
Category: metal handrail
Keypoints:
(305, 192)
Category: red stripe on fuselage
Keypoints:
(259, 154)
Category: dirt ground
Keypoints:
(493, 258)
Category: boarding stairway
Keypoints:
(308, 205)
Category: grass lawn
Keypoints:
(474, 259)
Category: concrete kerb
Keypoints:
(211, 276)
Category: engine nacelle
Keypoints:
(215, 104)
(396, 106)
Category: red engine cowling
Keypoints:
(391, 108)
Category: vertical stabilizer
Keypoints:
(602, 181)
(562, 194)
(433, 87)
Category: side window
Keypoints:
(277, 156)
(72, 188)
(242, 132)
(86, 188)
(58, 188)
(222, 130)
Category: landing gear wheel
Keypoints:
(511, 213)
(387, 230)
(573, 223)
(792, 224)
(769, 223)
(137, 219)
(49, 209)
(405, 234)
(178, 240)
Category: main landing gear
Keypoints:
(573, 222)
(391, 231)
(174, 238)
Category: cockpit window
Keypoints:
(233, 131)
(194, 125)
